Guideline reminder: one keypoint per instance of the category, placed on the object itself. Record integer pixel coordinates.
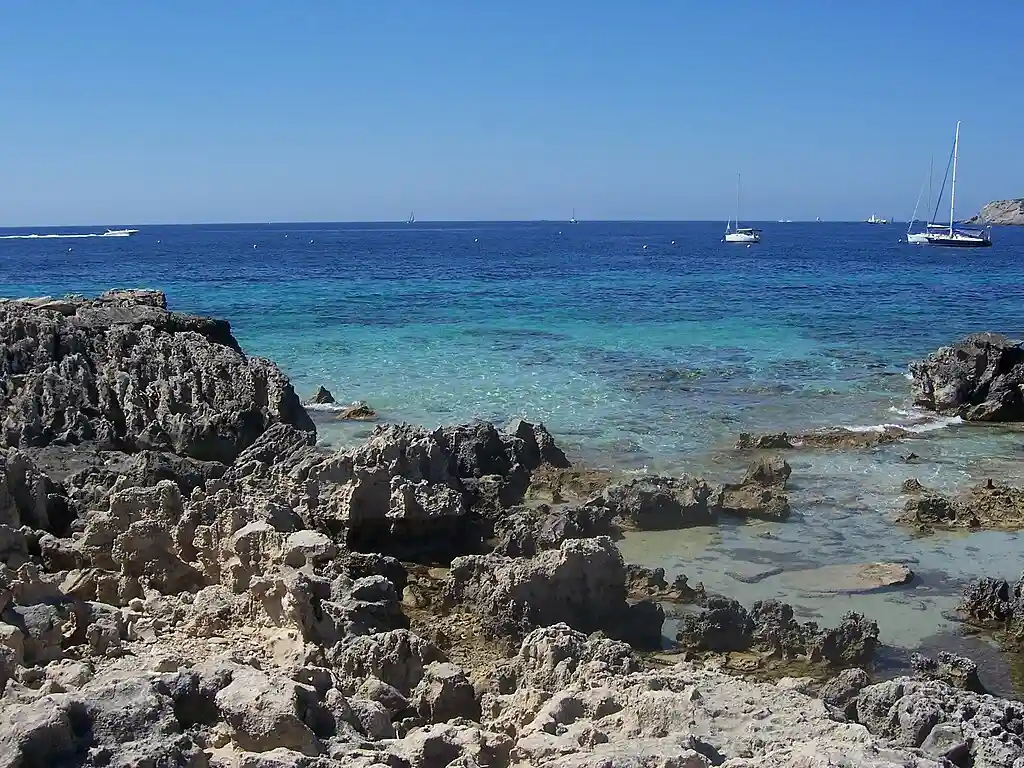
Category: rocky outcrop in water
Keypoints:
(668, 503)
(988, 505)
(770, 628)
(1002, 212)
(997, 605)
(827, 438)
(322, 396)
(979, 378)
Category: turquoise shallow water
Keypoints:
(634, 357)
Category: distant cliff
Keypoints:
(1001, 212)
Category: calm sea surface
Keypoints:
(645, 346)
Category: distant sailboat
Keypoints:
(875, 220)
(411, 219)
(737, 234)
(573, 219)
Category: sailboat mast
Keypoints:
(737, 201)
(952, 194)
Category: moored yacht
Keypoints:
(734, 233)
(954, 234)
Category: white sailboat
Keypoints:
(411, 219)
(573, 219)
(738, 234)
(875, 220)
(952, 235)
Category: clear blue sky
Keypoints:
(134, 112)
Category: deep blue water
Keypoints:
(636, 354)
(633, 357)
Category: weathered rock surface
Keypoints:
(659, 503)
(998, 605)
(124, 373)
(322, 396)
(828, 438)
(356, 412)
(723, 625)
(987, 505)
(768, 471)
(944, 722)
(1001, 212)
(647, 583)
(582, 583)
(525, 531)
(978, 378)
(568, 701)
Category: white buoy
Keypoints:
(69, 250)
(476, 239)
(254, 246)
(310, 242)
(286, 235)
(645, 247)
(158, 242)
(559, 231)
(673, 242)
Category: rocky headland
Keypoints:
(186, 579)
(1004, 212)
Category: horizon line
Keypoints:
(433, 221)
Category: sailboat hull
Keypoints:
(742, 237)
(917, 238)
(957, 241)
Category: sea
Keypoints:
(645, 347)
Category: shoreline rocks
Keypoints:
(159, 606)
(978, 378)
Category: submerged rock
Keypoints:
(852, 579)
(978, 378)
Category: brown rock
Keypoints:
(357, 412)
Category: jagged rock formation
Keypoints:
(979, 378)
(987, 505)
(998, 605)
(1003, 212)
(124, 373)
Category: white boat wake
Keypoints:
(41, 237)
